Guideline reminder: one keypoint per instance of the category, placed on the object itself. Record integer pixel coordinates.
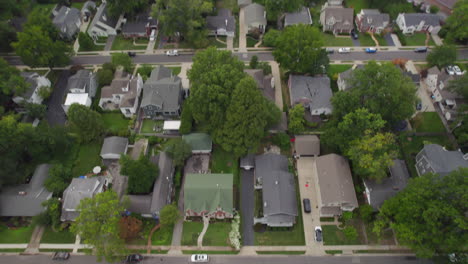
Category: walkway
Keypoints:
(33, 246)
(247, 206)
(426, 101)
(242, 33)
(184, 67)
(278, 89)
(109, 42)
(230, 43)
(389, 39)
(206, 223)
(437, 39)
(151, 44)
(396, 40)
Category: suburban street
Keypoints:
(227, 259)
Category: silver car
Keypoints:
(449, 69)
(457, 70)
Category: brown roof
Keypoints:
(307, 145)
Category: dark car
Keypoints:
(131, 54)
(354, 34)
(318, 234)
(419, 106)
(61, 256)
(421, 49)
(134, 258)
(307, 207)
(329, 50)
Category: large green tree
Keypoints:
(442, 56)
(141, 174)
(429, 215)
(275, 9)
(59, 178)
(98, 225)
(169, 215)
(179, 151)
(299, 49)
(382, 89)
(41, 19)
(130, 8)
(296, 124)
(460, 125)
(122, 59)
(246, 119)
(85, 123)
(8, 35)
(457, 21)
(10, 80)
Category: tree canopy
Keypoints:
(460, 86)
(98, 225)
(141, 174)
(179, 151)
(296, 124)
(442, 56)
(299, 49)
(276, 8)
(130, 8)
(457, 21)
(59, 178)
(85, 123)
(429, 215)
(10, 80)
(122, 59)
(169, 215)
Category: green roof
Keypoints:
(199, 141)
(207, 192)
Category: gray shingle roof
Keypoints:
(300, 17)
(122, 80)
(66, 20)
(307, 145)
(263, 83)
(162, 91)
(434, 158)
(248, 160)
(413, 19)
(314, 89)
(223, 20)
(343, 17)
(87, 6)
(373, 17)
(389, 187)
(12, 203)
(82, 78)
(30, 78)
(163, 186)
(255, 13)
(139, 24)
(114, 145)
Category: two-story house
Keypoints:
(31, 95)
(371, 20)
(434, 158)
(68, 22)
(314, 93)
(255, 18)
(103, 25)
(418, 22)
(140, 27)
(81, 89)
(338, 20)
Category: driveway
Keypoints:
(389, 39)
(242, 31)
(55, 114)
(247, 206)
(356, 42)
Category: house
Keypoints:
(445, 6)
(301, 16)
(335, 186)
(76, 98)
(344, 77)
(371, 20)
(434, 158)
(68, 22)
(335, 2)
(79, 189)
(140, 27)
(418, 22)
(338, 20)
(266, 84)
(312, 92)
(278, 191)
(162, 95)
(83, 81)
(26, 199)
(123, 93)
(150, 205)
(255, 18)
(201, 143)
(307, 145)
(113, 148)
(88, 9)
(248, 162)
(36, 82)
(223, 24)
(378, 192)
(208, 195)
(243, 3)
(103, 25)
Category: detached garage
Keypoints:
(114, 147)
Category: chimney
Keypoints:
(226, 21)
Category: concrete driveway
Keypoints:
(55, 114)
(247, 206)
(242, 31)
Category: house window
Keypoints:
(127, 111)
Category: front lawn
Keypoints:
(59, 237)
(333, 71)
(121, 43)
(162, 236)
(212, 41)
(175, 70)
(428, 122)
(366, 40)
(88, 158)
(190, 233)
(115, 122)
(331, 41)
(334, 236)
(94, 48)
(152, 126)
(251, 42)
(18, 235)
(417, 39)
(217, 234)
(357, 5)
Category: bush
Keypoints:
(270, 38)
(366, 212)
(434, 9)
(253, 62)
(105, 77)
(265, 66)
(85, 41)
(282, 140)
(350, 233)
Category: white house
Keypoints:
(418, 22)
(36, 82)
(103, 25)
(76, 98)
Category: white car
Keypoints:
(172, 53)
(197, 258)
(344, 50)
(450, 70)
(457, 70)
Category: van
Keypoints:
(153, 35)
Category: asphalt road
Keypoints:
(226, 259)
(263, 56)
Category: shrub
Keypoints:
(104, 77)
(265, 66)
(85, 41)
(434, 9)
(366, 212)
(282, 140)
(253, 62)
(350, 233)
(270, 38)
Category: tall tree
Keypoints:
(130, 8)
(460, 125)
(98, 225)
(141, 174)
(59, 178)
(372, 154)
(246, 118)
(276, 8)
(179, 151)
(8, 35)
(10, 80)
(429, 215)
(442, 56)
(296, 124)
(457, 21)
(41, 19)
(169, 215)
(382, 89)
(299, 49)
(86, 123)
(122, 59)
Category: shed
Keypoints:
(307, 145)
(171, 125)
(200, 142)
(114, 147)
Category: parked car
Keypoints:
(330, 50)
(354, 34)
(421, 49)
(449, 69)
(457, 70)
(152, 35)
(318, 234)
(418, 106)
(344, 50)
(133, 258)
(197, 258)
(172, 53)
(131, 54)
(371, 50)
(307, 207)
(61, 255)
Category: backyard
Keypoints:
(151, 126)
(428, 122)
(59, 237)
(15, 235)
(88, 157)
(417, 39)
(224, 162)
(121, 43)
(115, 122)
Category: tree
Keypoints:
(8, 35)
(246, 118)
(85, 41)
(366, 212)
(86, 123)
(382, 89)
(296, 119)
(429, 215)
(372, 154)
(253, 62)
(35, 110)
(122, 59)
(39, 18)
(299, 49)
(434, 9)
(340, 134)
(213, 77)
(186, 119)
(179, 151)
(141, 174)
(44, 92)
(350, 233)
(169, 215)
(98, 225)
(105, 77)
(276, 8)
(457, 21)
(10, 80)
(130, 227)
(442, 56)
(130, 8)
(270, 38)
(51, 216)
(59, 178)
(460, 124)
(459, 86)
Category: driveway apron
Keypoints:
(247, 206)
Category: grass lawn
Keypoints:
(224, 162)
(115, 122)
(281, 252)
(121, 43)
(88, 158)
(95, 48)
(357, 5)
(366, 40)
(77, 5)
(213, 42)
(162, 236)
(217, 234)
(102, 40)
(428, 122)
(210, 252)
(332, 41)
(15, 236)
(334, 236)
(61, 237)
(9, 250)
(251, 42)
(142, 41)
(417, 39)
(149, 125)
(333, 71)
(175, 70)
(190, 233)
(333, 252)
